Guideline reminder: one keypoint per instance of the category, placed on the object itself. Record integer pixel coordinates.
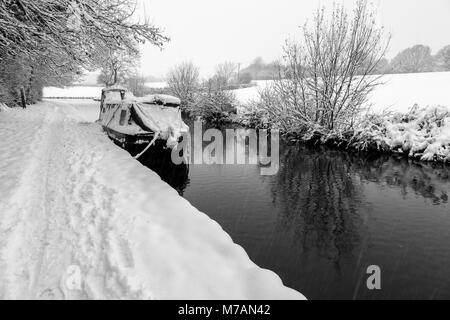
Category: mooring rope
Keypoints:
(149, 145)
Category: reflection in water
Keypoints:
(429, 180)
(319, 193)
(338, 207)
(318, 196)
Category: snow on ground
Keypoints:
(399, 93)
(87, 91)
(248, 94)
(72, 92)
(73, 201)
(402, 91)
(4, 107)
(156, 85)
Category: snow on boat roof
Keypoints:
(163, 98)
(114, 88)
(113, 95)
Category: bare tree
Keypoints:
(442, 59)
(325, 79)
(225, 73)
(383, 67)
(214, 102)
(183, 82)
(75, 30)
(59, 38)
(412, 60)
(117, 65)
(136, 84)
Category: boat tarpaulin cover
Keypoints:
(163, 99)
(165, 120)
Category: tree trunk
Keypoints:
(23, 98)
(30, 85)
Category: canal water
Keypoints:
(327, 215)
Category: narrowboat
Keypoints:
(139, 123)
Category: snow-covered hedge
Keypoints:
(253, 116)
(422, 133)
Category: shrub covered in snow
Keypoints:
(213, 105)
(253, 116)
(421, 133)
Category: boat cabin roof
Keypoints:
(117, 94)
(160, 99)
(114, 88)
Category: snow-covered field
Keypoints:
(81, 219)
(399, 93)
(86, 91)
(72, 92)
(156, 85)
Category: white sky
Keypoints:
(208, 32)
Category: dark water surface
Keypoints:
(328, 215)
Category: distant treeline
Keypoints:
(258, 70)
(411, 60)
(417, 59)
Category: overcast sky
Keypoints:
(209, 32)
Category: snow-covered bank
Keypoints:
(72, 199)
(420, 133)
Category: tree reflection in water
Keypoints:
(320, 194)
(429, 180)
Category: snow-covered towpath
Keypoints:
(80, 219)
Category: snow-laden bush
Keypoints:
(213, 105)
(253, 116)
(421, 133)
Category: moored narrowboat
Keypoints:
(138, 123)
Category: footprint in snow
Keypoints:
(51, 294)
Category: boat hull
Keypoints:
(130, 139)
(134, 143)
